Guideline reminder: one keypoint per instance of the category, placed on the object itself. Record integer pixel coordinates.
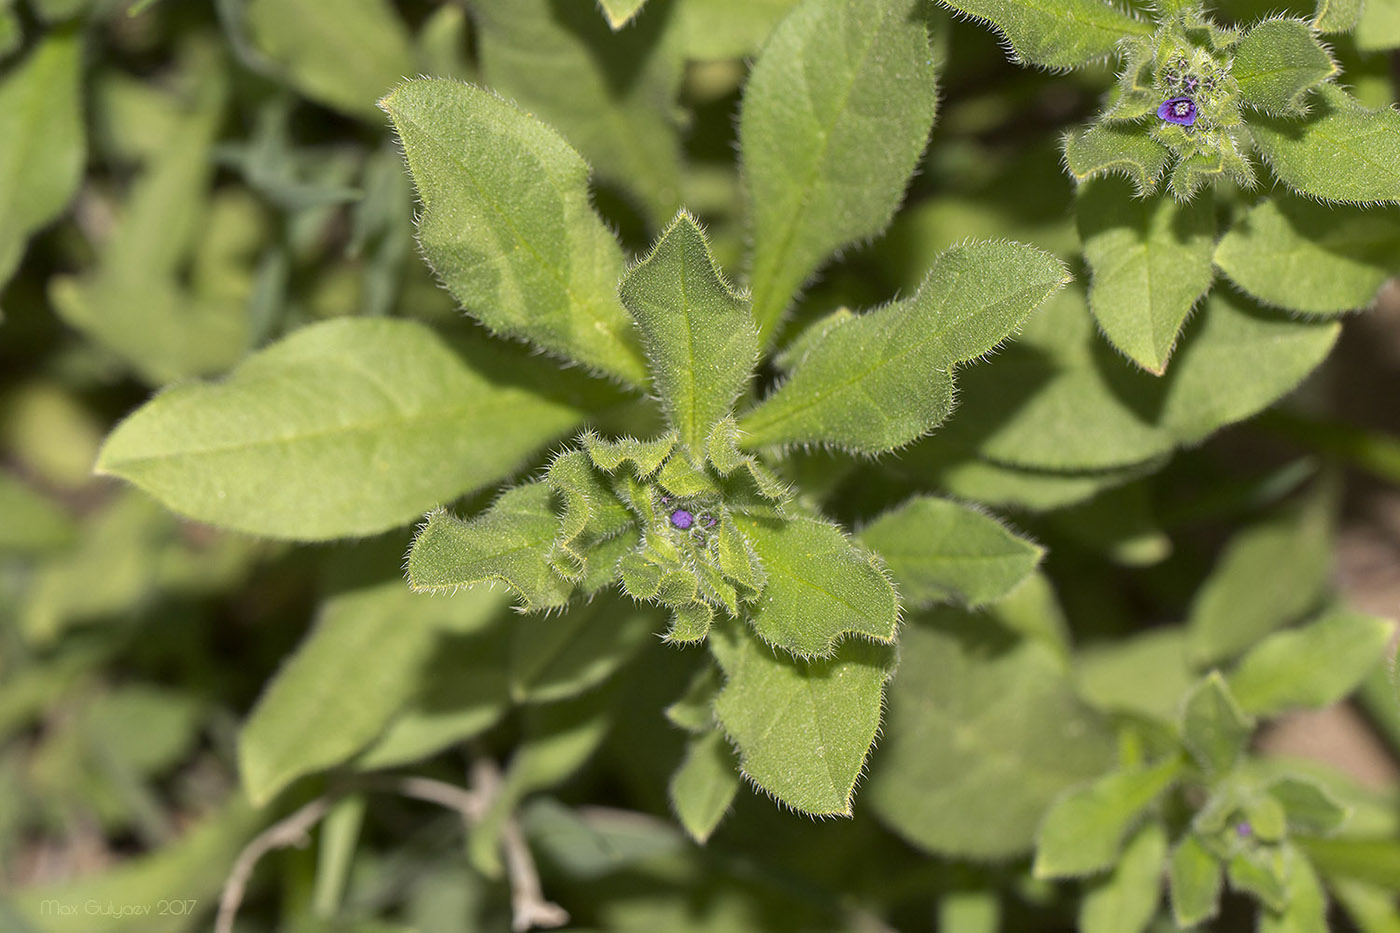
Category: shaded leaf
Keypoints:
(1195, 877)
(1151, 262)
(555, 657)
(1379, 27)
(508, 226)
(1213, 727)
(704, 785)
(1083, 832)
(344, 428)
(940, 550)
(1294, 253)
(1126, 900)
(1308, 807)
(42, 143)
(1060, 399)
(1342, 151)
(1056, 33)
(717, 29)
(142, 300)
(984, 731)
(1337, 15)
(345, 54)
(1312, 666)
(355, 670)
(1306, 910)
(32, 523)
(1269, 575)
(559, 739)
(1145, 674)
(835, 75)
(612, 92)
(697, 333)
(802, 728)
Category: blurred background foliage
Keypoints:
(184, 182)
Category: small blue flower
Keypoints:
(1178, 110)
(1243, 829)
(682, 519)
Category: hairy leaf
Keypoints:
(360, 664)
(507, 542)
(1312, 666)
(1195, 877)
(1151, 262)
(1117, 149)
(802, 728)
(1010, 736)
(1342, 151)
(611, 91)
(1315, 258)
(1056, 33)
(1337, 15)
(1306, 910)
(820, 586)
(940, 550)
(1277, 62)
(704, 785)
(835, 76)
(42, 143)
(1126, 900)
(508, 226)
(1308, 807)
(1060, 399)
(1083, 832)
(1239, 360)
(345, 54)
(1145, 674)
(1213, 727)
(344, 428)
(1269, 575)
(877, 381)
(697, 333)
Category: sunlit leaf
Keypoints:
(835, 76)
(802, 728)
(697, 333)
(508, 226)
(345, 428)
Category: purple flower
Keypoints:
(1178, 110)
(682, 519)
(1243, 829)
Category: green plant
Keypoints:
(876, 389)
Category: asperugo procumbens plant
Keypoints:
(800, 617)
(681, 421)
